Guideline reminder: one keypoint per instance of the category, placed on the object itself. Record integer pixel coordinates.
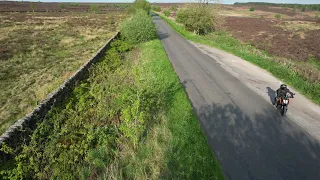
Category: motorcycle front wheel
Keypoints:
(284, 110)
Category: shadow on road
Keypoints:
(259, 146)
(271, 94)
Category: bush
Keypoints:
(139, 29)
(167, 13)
(156, 8)
(303, 9)
(62, 6)
(173, 8)
(94, 8)
(142, 4)
(251, 9)
(278, 16)
(200, 18)
(294, 9)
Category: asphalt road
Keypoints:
(246, 133)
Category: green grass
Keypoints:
(283, 71)
(131, 119)
(175, 148)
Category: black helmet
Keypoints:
(283, 86)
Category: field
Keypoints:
(39, 50)
(13, 6)
(295, 35)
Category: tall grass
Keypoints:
(285, 71)
(175, 146)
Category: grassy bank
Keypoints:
(291, 73)
(130, 120)
(175, 147)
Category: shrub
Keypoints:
(33, 6)
(62, 6)
(278, 16)
(200, 18)
(130, 10)
(303, 9)
(294, 9)
(156, 8)
(173, 8)
(167, 13)
(142, 4)
(251, 9)
(94, 8)
(139, 29)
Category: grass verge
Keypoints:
(131, 119)
(175, 147)
(283, 70)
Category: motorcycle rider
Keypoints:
(282, 91)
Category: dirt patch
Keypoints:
(270, 35)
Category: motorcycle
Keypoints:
(283, 103)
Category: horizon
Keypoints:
(181, 1)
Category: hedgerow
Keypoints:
(138, 29)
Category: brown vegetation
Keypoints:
(14, 6)
(281, 38)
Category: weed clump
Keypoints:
(139, 29)
(167, 13)
(251, 9)
(174, 8)
(278, 16)
(94, 8)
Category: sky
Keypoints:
(165, 1)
